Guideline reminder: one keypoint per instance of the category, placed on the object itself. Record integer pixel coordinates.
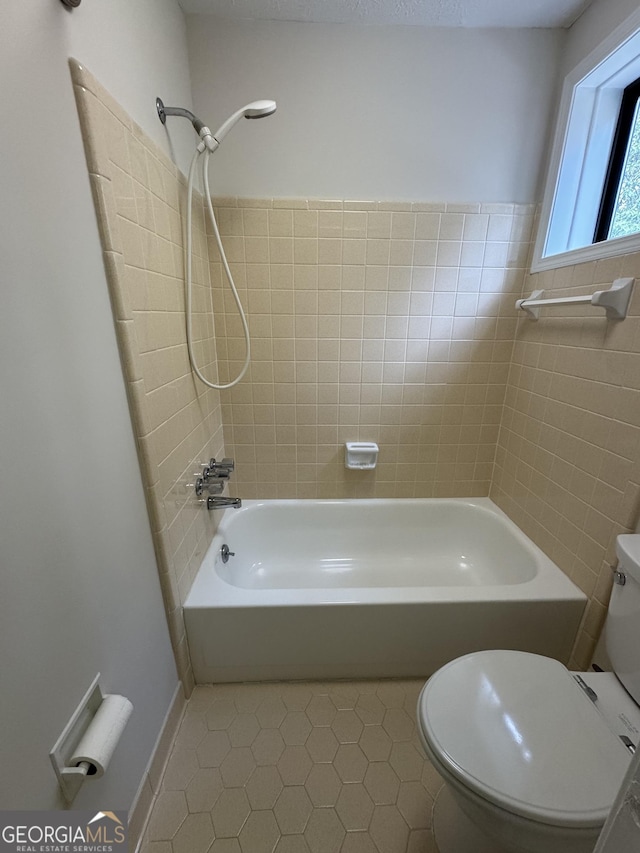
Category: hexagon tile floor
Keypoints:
(319, 767)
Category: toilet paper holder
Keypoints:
(89, 739)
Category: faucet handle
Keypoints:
(219, 470)
(203, 483)
(226, 464)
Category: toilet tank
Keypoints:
(622, 629)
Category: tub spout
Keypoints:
(214, 502)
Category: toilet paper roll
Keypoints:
(101, 737)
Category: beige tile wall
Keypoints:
(370, 321)
(389, 322)
(139, 195)
(568, 460)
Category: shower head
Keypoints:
(259, 109)
(256, 109)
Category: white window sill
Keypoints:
(594, 252)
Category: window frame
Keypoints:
(617, 159)
(580, 154)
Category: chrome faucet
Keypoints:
(214, 478)
(223, 503)
(218, 470)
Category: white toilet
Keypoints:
(532, 753)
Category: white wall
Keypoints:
(79, 591)
(452, 115)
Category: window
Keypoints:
(619, 213)
(591, 205)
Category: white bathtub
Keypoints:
(371, 588)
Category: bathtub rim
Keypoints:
(209, 590)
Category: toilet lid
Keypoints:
(518, 730)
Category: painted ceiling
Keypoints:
(426, 13)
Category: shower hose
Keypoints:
(201, 150)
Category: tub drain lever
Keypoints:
(225, 553)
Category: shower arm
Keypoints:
(163, 112)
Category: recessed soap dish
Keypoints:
(360, 455)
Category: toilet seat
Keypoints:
(517, 730)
